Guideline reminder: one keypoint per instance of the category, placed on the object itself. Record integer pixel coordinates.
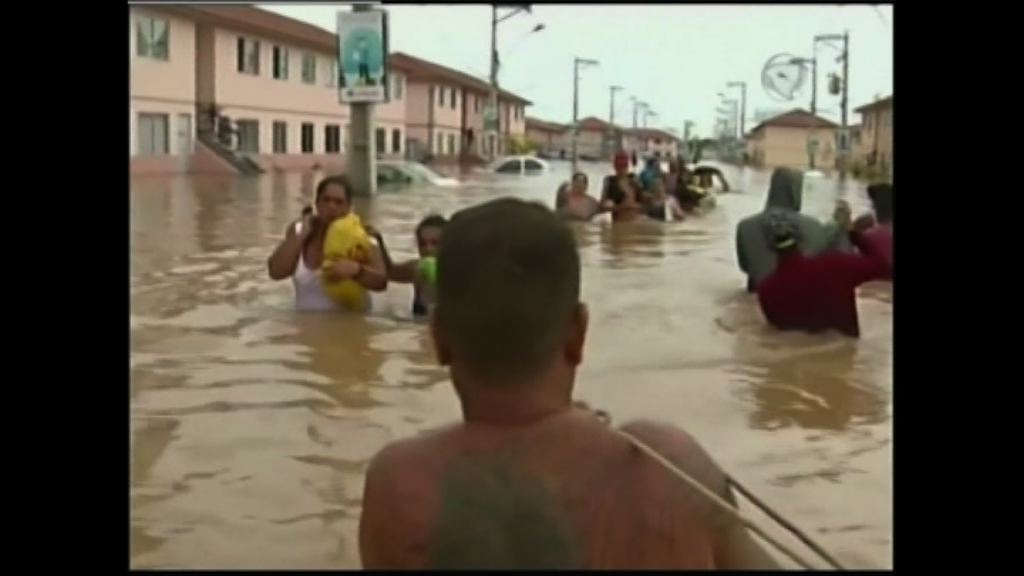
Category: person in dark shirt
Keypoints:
(428, 238)
(621, 193)
(813, 294)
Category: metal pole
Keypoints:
(635, 104)
(845, 156)
(743, 110)
(492, 138)
(812, 150)
(575, 107)
(611, 120)
(363, 165)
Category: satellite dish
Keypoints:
(783, 76)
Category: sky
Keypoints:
(677, 58)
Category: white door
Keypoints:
(184, 151)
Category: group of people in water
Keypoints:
(652, 194)
(806, 272)
(530, 478)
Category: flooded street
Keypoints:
(252, 425)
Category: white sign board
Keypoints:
(362, 56)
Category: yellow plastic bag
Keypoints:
(347, 239)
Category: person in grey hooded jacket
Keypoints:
(754, 250)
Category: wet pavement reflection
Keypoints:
(252, 425)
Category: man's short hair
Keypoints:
(508, 284)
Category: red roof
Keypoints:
(652, 133)
(544, 125)
(594, 123)
(796, 118)
(884, 102)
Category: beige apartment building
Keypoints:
(275, 78)
(783, 141)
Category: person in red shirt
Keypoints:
(874, 235)
(816, 293)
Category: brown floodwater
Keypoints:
(252, 425)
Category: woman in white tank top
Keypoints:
(300, 255)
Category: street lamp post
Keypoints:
(491, 115)
(576, 63)
(611, 120)
(743, 104)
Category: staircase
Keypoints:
(206, 134)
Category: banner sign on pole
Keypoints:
(363, 56)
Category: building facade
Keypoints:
(784, 140)
(875, 146)
(211, 84)
(548, 138)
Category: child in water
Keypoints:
(420, 272)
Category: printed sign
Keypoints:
(363, 56)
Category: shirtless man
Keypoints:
(621, 193)
(573, 203)
(527, 479)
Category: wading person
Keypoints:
(300, 256)
(621, 193)
(527, 480)
(754, 250)
(873, 236)
(417, 271)
(573, 202)
(813, 294)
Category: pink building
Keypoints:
(653, 141)
(275, 80)
(162, 103)
(783, 140)
(445, 111)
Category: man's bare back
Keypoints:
(566, 492)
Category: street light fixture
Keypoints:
(576, 64)
(491, 123)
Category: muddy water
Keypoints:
(251, 425)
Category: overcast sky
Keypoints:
(675, 57)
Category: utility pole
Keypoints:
(845, 155)
(743, 104)
(491, 115)
(636, 105)
(611, 120)
(576, 63)
(363, 166)
(812, 147)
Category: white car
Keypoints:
(527, 165)
(404, 173)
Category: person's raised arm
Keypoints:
(282, 262)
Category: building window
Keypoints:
(332, 138)
(454, 99)
(248, 56)
(249, 136)
(332, 73)
(440, 144)
(280, 63)
(451, 144)
(153, 38)
(380, 140)
(309, 68)
(307, 138)
(396, 141)
(153, 134)
(397, 84)
(440, 96)
(280, 138)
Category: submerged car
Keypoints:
(528, 165)
(406, 173)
